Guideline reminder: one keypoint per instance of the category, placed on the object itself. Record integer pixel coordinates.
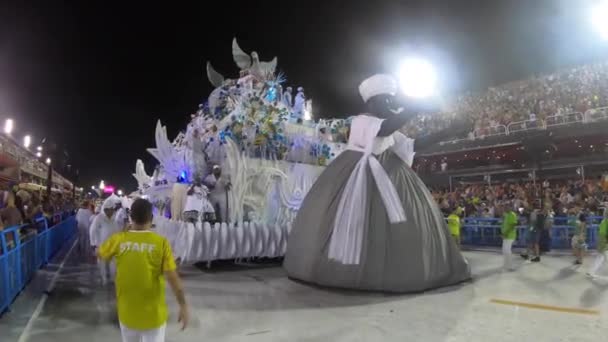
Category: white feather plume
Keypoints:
(172, 159)
(140, 175)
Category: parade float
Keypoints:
(267, 145)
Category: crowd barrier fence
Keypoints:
(485, 232)
(21, 257)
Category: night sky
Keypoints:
(94, 77)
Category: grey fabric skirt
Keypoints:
(411, 256)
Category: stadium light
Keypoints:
(92, 187)
(119, 192)
(27, 141)
(39, 154)
(8, 126)
(417, 78)
(599, 19)
(48, 161)
(39, 148)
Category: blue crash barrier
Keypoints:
(478, 231)
(22, 255)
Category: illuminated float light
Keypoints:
(599, 19)
(417, 78)
(8, 126)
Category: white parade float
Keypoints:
(269, 150)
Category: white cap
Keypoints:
(377, 85)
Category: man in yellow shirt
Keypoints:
(454, 224)
(143, 259)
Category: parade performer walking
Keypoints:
(103, 226)
(369, 222)
(83, 219)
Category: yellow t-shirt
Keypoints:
(454, 224)
(142, 257)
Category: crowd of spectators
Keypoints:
(23, 208)
(561, 198)
(571, 90)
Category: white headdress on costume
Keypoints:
(377, 85)
(111, 202)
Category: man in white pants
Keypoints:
(144, 259)
(219, 185)
(602, 244)
(508, 231)
(103, 226)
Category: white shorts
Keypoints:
(152, 335)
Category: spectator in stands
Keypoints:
(48, 211)
(11, 215)
(508, 233)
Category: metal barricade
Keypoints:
(491, 131)
(22, 256)
(525, 125)
(565, 119)
(485, 232)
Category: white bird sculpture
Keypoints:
(252, 63)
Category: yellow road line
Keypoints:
(546, 307)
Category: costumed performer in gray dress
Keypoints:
(369, 222)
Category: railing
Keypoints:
(591, 115)
(565, 119)
(22, 256)
(525, 125)
(491, 131)
(478, 231)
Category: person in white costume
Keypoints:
(219, 185)
(121, 217)
(83, 219)
(197, 203)
(103, 226)
(369, 222)
(299, 103)
(287, 98)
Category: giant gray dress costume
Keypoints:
(350, 235)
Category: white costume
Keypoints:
(197, 203)
(83, 219)
(287, 98)
(300, 102)
(218, 195)
(101, 229)
(122, 218)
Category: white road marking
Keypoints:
(25, 335)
